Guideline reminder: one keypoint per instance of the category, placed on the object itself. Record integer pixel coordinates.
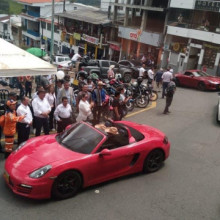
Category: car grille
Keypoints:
(23, 189)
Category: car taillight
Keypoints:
(59, 66)
(165, 140)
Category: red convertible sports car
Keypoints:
(198, 79)
(83, 155)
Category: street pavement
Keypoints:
(185, 188)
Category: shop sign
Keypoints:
(208, 5)
(91, 39)
(135, 35)
(114, 47)
(77, 36)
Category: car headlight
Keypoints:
(40, 172)
(20, 146)
(210, 81)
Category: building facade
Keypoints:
(84, 30)
(193, 36)
(141, 25)
(35, 12)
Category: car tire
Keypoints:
(66, 185)
(201, 86)
(127, 78)
(153, 161)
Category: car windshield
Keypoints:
(199, 73)
(80, 138)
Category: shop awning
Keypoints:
(16, 62)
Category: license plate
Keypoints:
(6, 175)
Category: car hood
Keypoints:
(212, 78)
(41, 151)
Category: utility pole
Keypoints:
(52, 34)
(64, 5)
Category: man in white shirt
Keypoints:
(41, 108)
(75, 58)
(67, 91)
(150, 73)
(23, 127)
(63, 115)
(142, 70)
(166, 77)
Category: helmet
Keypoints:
(140, 79)
(83, 74)
(134, 84)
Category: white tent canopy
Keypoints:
(16, 62)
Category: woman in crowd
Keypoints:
(51, 98)
(85, 109)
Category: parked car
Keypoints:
(61, 59)
(197, 79)
(134, 65)
(103, 67)
(218, 109)
(59, 165)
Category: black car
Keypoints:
(134, 65)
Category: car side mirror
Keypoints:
(105, 152)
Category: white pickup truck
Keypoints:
(60, 59)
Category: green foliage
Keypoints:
(14, 8)
(10, 7)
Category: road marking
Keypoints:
(153, 105)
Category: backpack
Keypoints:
(171, 88)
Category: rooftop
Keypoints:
(87, 14)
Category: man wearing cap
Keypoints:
(9, 128)
(23, 127)
(98, 97)
(166, 77)
(42, 110)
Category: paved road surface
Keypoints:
(187, 187)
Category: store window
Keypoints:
(48, 26)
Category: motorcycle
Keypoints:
(153, 96)
(139, 93)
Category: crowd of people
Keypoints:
(53, 108)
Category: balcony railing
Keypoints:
(34, 33)
(196, 26)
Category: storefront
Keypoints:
(93, 46)
(183, 53)
(136, 43)
(114, 50)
